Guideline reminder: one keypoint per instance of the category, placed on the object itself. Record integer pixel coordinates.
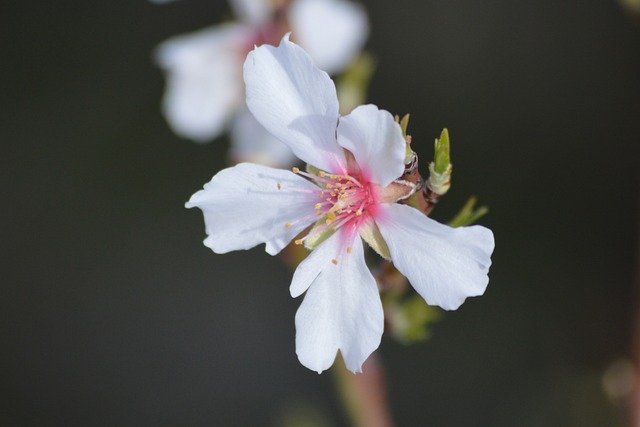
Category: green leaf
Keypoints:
(441, 157)
(353, 84)
(469, 214)
(411, 318)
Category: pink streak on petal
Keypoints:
(348, 232)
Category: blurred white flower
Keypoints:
(204, 89)
(350, 192)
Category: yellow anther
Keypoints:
(349, 249)
(318, 206)
(329, 186)
(279, 186)
(319, 213)
(287, 225)
(298, 241)
(322, 174)
(334, 261)
(334, 176)
(295, 169)
(328, 221)
(359, 212)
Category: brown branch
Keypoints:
(424, 198)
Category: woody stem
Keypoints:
(425, 198)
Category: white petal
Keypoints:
(204, 87)
(296, 102)
(445, 265)
(252, 11)
(376, 141)
(309, 269)
(331, 31)
(243, 207)
(250, 142)
(341, 309)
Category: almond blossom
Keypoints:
(348, 194)
(204, 90)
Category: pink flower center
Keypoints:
(344, 199)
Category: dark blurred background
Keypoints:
(115, 314)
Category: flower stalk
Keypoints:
(364, 396)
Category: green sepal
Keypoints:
(370, 233)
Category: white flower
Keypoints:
(350, 192)
(204, 89)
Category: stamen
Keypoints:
(343, 200)
(343, 220)
(355, 181)
(359, 211)
(304, 218)
(279, 186)
(317, 178)
(349, 249)
(334, 261)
